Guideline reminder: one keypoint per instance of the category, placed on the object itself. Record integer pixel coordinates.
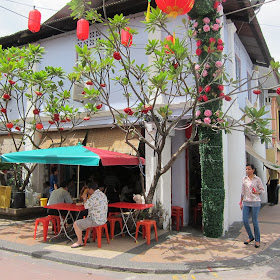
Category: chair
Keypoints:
(112, 220)
(177, 213)
(97, 231)
(57, 219)
(45, 221)
(146, 228)
(197, 211)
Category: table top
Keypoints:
(66, 206)
(128, 205)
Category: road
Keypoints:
(15, 266)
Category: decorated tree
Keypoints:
(33, 103)
(150, 91)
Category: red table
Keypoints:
(66, 207)
(131, 208)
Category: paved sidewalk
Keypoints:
(176, 252)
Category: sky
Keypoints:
(11, 23)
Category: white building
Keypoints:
(244, 44)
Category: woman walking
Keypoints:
(250, 201)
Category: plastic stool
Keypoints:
(146, 227)
(97, 231)
(57, 219)
(112, 220)
(197, 210)
(45, 221)
(178, 213)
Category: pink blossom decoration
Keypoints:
(206, 28)
(219, 64)
(217, 113)
(197, 67)
(206, 20)
(218, 21)
(197, 113)
(207, 120)
(207, 66)
(195, 25)
(204, 73)
(215, 27)
(219, 8)
(208, 113)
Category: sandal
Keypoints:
(75, 245)
(248, 241)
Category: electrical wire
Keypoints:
(28, 5)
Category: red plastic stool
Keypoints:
(197, 210)
(45, 221)
(178, 213)
(57, 219)
(112, 220)
(97, 231)
(146, 228)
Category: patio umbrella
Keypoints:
(72, 155)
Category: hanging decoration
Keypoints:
(148, 11)
(82, 29)
(172, 39)
(126, 37)
(175, 8)
(34, 21)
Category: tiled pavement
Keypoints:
(175, 251)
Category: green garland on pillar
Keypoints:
(206, 27)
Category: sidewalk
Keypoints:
(176, 252)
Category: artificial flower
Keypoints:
(206, 20)
(207, 120)
(218, 64)
(198, 52)
(257, 91)
(207, 113)
(216, 27)
(198, 43)
(204, 73)
(197, 113)
(206, 28)
(207, 88)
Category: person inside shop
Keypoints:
(60, 195)
(97, 205)
(250, 201)
(272, 187)
(46, 189)
(53, 179)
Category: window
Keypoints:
(249, 87)
(238, 70)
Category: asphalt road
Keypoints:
(17, 266)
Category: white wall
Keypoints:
(179, 195)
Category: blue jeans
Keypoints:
(255, 213)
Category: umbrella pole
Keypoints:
(78, 181)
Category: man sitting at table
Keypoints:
(97, 206)
(60, 195)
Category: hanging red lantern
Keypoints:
(169, 38)
(82, 29)
(126, 37)
(34, 21)
(175, 8)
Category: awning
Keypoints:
(250, 149)
(73, 155)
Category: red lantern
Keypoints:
(39, 126)
(169, 38)
(82, 29)
(34, 21)
(175, 8)
(126, 37)
(9, 125)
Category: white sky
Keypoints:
(11, 23)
